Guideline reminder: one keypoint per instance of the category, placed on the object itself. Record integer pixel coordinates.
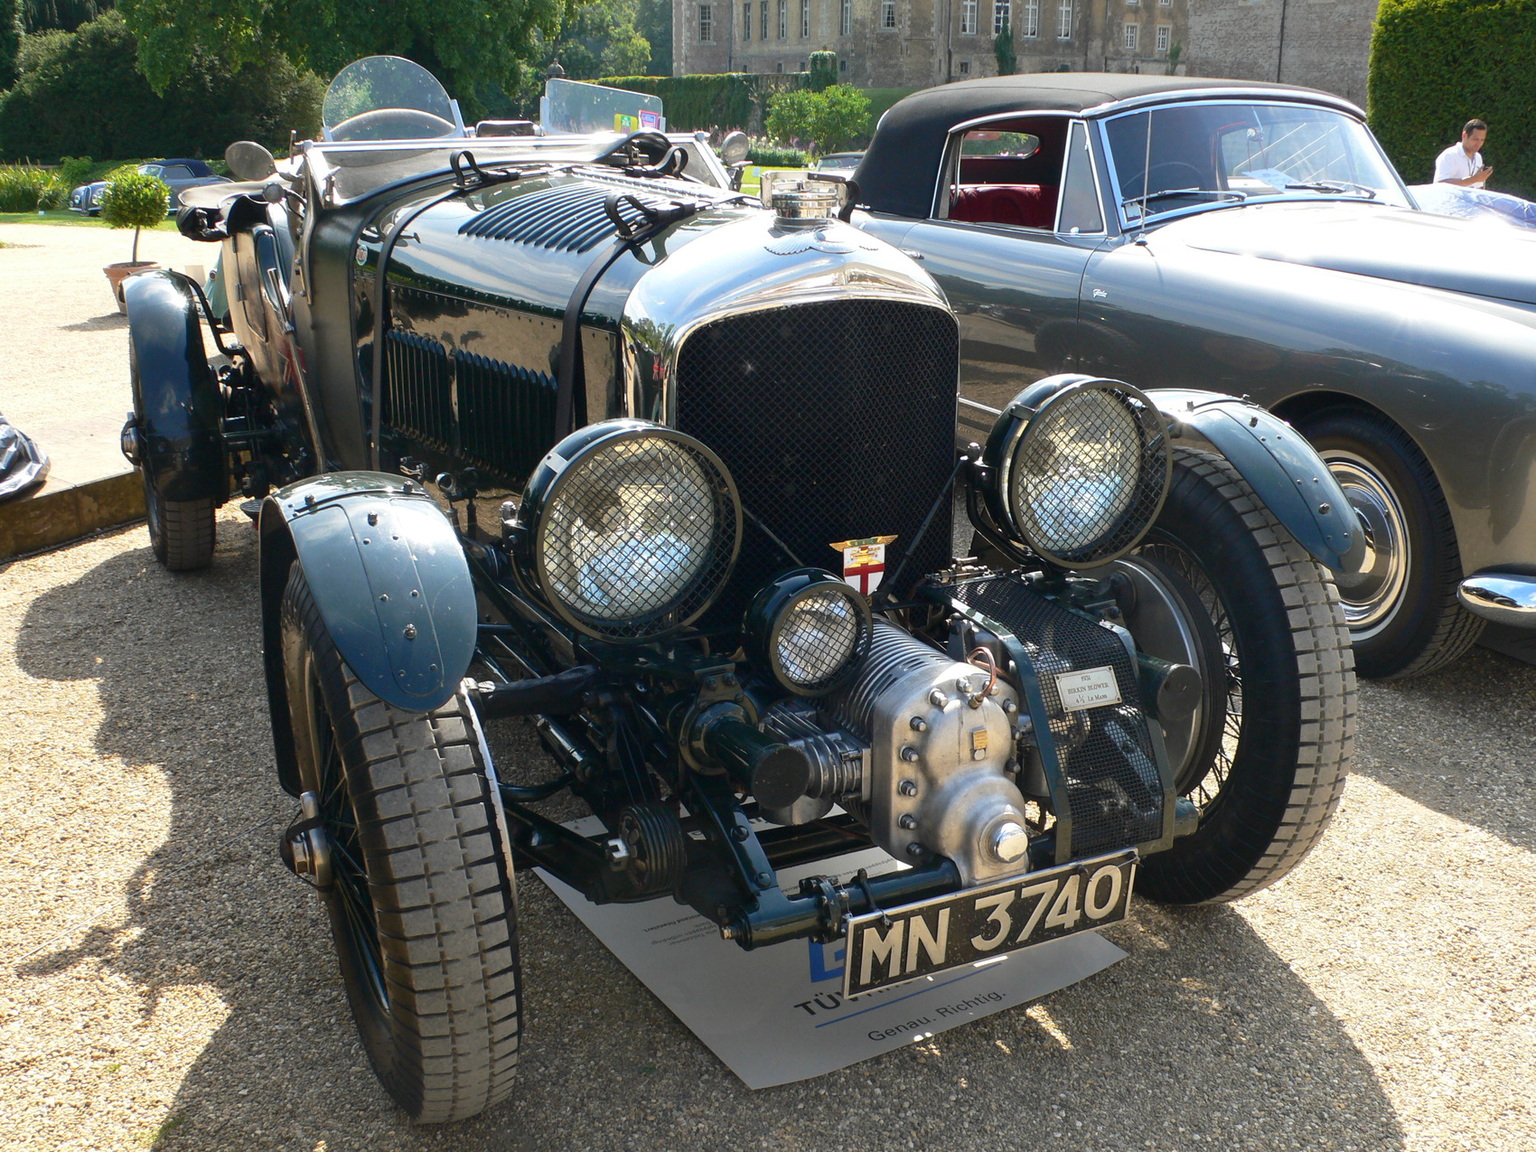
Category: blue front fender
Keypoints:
(1278, 464)
(389, 578)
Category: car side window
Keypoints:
(1008, 172)
(176, 172)
(1081, 210)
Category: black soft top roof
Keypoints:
(901, 166)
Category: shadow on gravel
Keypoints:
(98, 323)
(1481, 767)
(1203, 1037)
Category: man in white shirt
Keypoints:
(1462, 163)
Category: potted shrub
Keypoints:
(134, 200)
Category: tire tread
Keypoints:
(440, 889)
(1325, 678)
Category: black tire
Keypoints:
(181, 532)
(1264, 756)
(1402, 611)
(421, 902)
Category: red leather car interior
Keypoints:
(1023, 205)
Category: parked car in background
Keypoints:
(561, 427)
(838, 162)
(1255, 239)
(178, 174)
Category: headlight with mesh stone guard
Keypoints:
(632, 529)
(1078, 469)
(808, 628)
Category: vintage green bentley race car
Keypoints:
(563, 428)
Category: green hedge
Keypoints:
(727, 100)
(1435, 64)
(81, 93)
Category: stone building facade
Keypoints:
(918, 43)
(1318, 43)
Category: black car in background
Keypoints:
(179, 175)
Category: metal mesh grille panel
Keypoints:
(564, 218)
(836, 421)
(418, 389)
(1090, 475)
(638, 533)
(1113, 787)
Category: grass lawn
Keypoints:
(65, 216)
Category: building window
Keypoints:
(783, 19)
(706, 23)
(965, 67)
(887, 14)
(842, 65)
(1164, 33)
(1132, 33)
(967, 17)
(805, 18)
(781, 66)
(746, 19)
(1031, 27)
(765, 20)
(845, 20)
(1002, 16)
(1165, 3)
(1130, 3)
(1064, 20)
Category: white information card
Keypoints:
(777, 1014)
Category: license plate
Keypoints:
(901, 944)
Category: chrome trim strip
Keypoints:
(1248, 95)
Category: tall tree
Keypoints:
(64, 15)
(655, 24)
(600, 38)
(10, 42)
(470, 45)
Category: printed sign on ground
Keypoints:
(794, 1022)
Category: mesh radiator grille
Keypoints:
(1114, 790)
(837, 422)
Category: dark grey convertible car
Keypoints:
(1253, 239)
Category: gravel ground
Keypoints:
(167, 984)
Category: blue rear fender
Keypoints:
(177, 406)
(391, 583)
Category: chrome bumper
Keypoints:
(1504, 598)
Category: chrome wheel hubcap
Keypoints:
(1372, 595)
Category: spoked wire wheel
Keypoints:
(401, 836)
(348, 900)
(1180, 618)
(1221, 586)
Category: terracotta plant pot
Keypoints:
(117, 273)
